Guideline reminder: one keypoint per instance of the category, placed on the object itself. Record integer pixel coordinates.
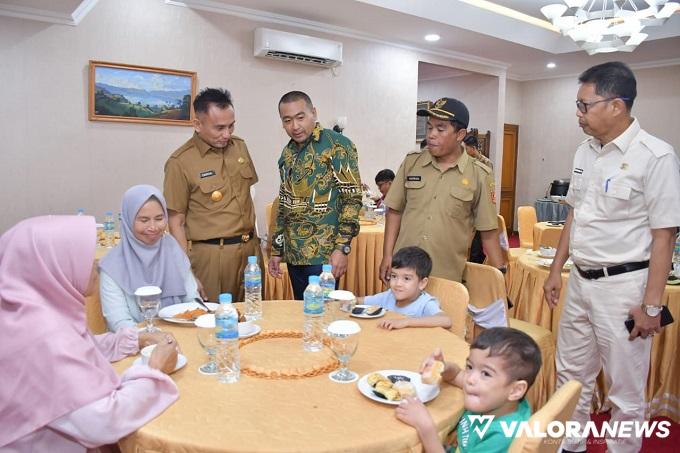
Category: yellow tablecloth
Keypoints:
(362, 277)
(303, 415)
(546, 235)
(663, 385)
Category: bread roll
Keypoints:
(433, 374)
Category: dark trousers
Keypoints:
(476, 250)
(299, 277)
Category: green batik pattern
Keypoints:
(319, 198)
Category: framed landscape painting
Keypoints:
(140, 94)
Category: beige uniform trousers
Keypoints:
(592, 336)
(220, 268)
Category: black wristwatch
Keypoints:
(345, 249)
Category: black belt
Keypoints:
(592, 274)
(232, 240)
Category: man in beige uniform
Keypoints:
(207, 188)
(619, 232)
(440, 194)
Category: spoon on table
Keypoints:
(202, 304)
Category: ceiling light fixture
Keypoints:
(432, 37)
(550, 65)
(601, 26)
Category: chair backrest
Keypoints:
(93, 311)
(453, 300)
(271, 211)
(485, 285)
(550, 237)
(559, 407)
(526, 219)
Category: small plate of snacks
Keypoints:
(185, 313)
(391, 386)
(367, 311)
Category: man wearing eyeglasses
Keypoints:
(624, 209)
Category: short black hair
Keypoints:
(612, 79)
(293, 96)
(423, 143)
(518, 350)
(414, 258)
(384, 176)
(471, 138)
(218, 96)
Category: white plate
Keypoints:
(167, 313)
(547, 252)
(245, 329)
(181, 362)
(425, 392)
(548, 262)
(365, 316)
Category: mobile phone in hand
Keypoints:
(666, 318)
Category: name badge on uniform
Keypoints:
(578, 171)
(206, 174)
(413, 178)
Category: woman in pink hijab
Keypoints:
(59, 392)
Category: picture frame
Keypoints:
(140, 94)
(421, 121)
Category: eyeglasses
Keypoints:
(584, 106)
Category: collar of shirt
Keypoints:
(315, 136)
(622, 142)
(461, 163)
(203, 146)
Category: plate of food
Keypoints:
(367, 222)
(185, 313)
(367, 311)
(391, 386)
(246, 329)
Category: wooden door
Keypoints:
(508, 174)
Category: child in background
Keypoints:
(502, 365)
(411, 267)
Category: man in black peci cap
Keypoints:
(440, 196)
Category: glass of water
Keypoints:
(344, 338)
(149, 300)
(207, 340)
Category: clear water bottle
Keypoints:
(327, 283)
(312, 333)
(252, 280)
(676, 257)
(109, 229)
(80, 211)
(226, 334)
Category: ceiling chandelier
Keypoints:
(600, 26)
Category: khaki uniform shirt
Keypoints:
(440, 210)
(620, 192)
(195, 172)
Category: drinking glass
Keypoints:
(340, 304)
(207, 340)
(344, 339)
(149, 300)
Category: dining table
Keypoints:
(363, 263)
(663, 384)
(547, 234)
(284, 400)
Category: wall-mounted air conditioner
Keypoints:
(281, 45)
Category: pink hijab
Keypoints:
(49, 363)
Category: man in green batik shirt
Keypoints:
(319, 197)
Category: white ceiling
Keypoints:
(466, 31)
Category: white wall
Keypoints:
(53, 160)
(513, 102)
(549, 132)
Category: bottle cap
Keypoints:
(326, 268)
(314, 279)
(252, 260)
(225, 298)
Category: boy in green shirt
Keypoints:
(502, 365)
